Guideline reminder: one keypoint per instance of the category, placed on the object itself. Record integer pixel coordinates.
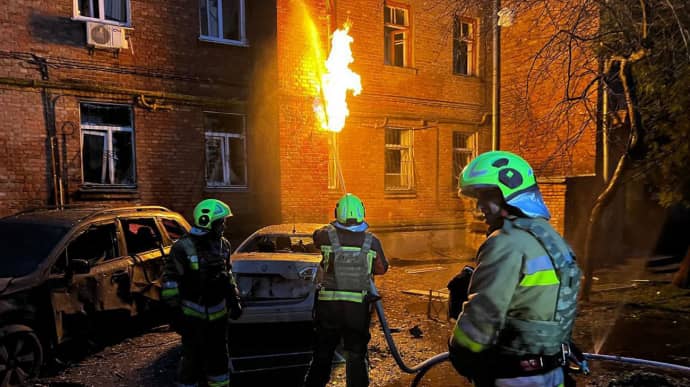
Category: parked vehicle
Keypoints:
(277, 269)
(60, 269)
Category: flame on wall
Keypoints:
(336, 81)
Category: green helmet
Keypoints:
(349, 210)
(208, 211)
(510, 174)
(506, 171)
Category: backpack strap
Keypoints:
(333, 238)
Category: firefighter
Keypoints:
(350, 257)
(515, 328)
(199, 287)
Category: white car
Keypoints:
(277, 269)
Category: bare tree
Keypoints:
(635, 50)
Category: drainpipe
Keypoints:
(605, 135)
(496, 80)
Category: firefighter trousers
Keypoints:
(336, 320)
(204, 352)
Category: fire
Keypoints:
(337, 80)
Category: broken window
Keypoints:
(226, 158)
(396, 35)
(95, 245)
(103, 10)
(464, 149)
(399, 168)
(223, 21)
(464, 46)
(107, 144)
(293, 243)
(175, 230)
(141, 235)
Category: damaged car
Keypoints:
(64, 270)
(277, 270)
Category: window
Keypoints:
(175, 230)
(464, 47)
(399, 173)
(226, 159)
(114, 11)
(107, 144)
(141, 235)
(396, 35)
(464, 149)
(95, 245)
(223, 21)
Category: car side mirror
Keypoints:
(79, 266)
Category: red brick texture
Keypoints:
(274, 82)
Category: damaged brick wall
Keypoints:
(165, 56)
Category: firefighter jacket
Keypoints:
(349, 260)
(197, 277)
(523, 293)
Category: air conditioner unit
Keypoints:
(105, 36)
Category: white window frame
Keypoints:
(225, 154)
(405, 28)
(107, 131)
(219, 39)
(472, 44)
(407, 173)
(101, 18)
(473, 142)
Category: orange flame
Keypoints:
(337, 80)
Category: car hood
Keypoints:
(286, 257)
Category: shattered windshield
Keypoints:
(23, 246)
(280, 243)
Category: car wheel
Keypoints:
(21, 356)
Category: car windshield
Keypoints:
(280, 243)
(23, 246)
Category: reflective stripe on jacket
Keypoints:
(513, 295)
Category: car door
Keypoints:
(90, 276)
(144, 244)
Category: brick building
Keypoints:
(160, 111)
(194, 105)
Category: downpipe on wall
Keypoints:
(422, 368)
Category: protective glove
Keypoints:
(235, 303)
(471, 365)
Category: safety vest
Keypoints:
(545, 337)
(204, 286)
(347, 269)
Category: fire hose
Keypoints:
(422, 368)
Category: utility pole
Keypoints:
(496, 79)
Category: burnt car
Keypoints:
(277, 270)
(62, 271)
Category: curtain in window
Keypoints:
(116, 10)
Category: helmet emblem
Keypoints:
(510, 177)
